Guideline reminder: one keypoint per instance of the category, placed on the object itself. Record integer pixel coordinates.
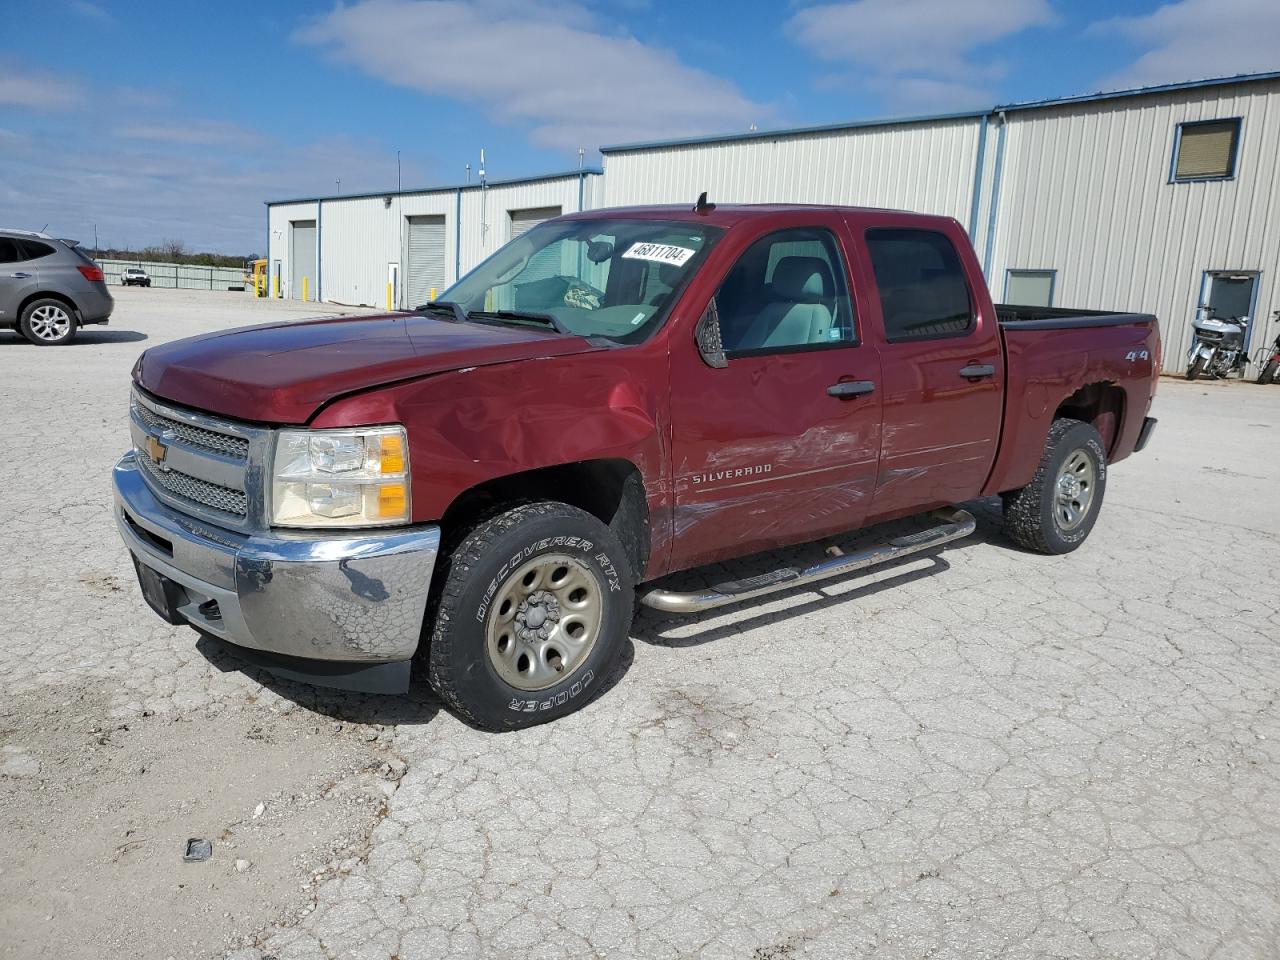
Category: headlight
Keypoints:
(341, 478)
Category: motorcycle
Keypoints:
(1217, 349)
(1271, 360)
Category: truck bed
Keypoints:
(1017, 317)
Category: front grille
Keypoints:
(194, 489)
(235, 447)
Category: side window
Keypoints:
(788, 290)
(35, 249)
(923, 291)
(10, 252)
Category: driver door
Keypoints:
(781, 445)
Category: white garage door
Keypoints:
(525, 220)
(424, 269)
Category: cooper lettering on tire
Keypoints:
(534, 608)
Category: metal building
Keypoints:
(393, 249)
(1156, 199)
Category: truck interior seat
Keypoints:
(802, 309)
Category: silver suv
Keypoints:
(48, 288)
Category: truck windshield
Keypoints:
(608, 278)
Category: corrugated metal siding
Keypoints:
(360, 236)
(926, 167)
(1086, 191)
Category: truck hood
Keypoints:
(283, 373)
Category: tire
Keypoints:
(1038, 517)
(1268, 374)
(1196, 368)
(48, 323)
(501, 653)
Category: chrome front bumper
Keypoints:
(358, 598)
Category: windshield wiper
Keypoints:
(447, 306)
(522, 316)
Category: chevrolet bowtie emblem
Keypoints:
(156, 450)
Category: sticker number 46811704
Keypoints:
(1133, 356)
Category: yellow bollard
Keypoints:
(388, 295)
(304, 288)
(433, 294)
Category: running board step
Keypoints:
(956, 524)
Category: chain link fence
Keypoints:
(179, 276)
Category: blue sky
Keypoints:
(176, 120)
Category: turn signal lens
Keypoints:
(393, 498)
(392, 453)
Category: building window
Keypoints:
(1206, 150)
(1029, 288)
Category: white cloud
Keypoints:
(1195, 39)
(555, 67)
(34, 90)
(91, 11)
(139, 192)
(201, 132)
(917, 53)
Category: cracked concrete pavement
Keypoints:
(981, 754)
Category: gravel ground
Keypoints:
(982, 754)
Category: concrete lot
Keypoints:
(982, 754)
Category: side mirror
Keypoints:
(707, 335)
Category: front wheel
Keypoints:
(1196, 368)
(534, 609)
(1268, 374)
(1056, 510)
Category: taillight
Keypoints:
(91, 273)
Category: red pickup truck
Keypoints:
(484, 483)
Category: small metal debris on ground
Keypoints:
(198, 849)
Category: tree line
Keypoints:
(170, 251)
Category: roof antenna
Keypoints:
(702, 207)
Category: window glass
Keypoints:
(35, 249)
(1206, 151)
(610, 278)
(923, 291)
(787, 290)
(9, 251)
(1029, 288)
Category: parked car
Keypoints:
(134, 277)
(613, 396)
(49, 288)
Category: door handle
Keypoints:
(848, 389)
(975, 371)
(20, 276)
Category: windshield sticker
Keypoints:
(659, 253)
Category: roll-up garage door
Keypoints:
(546, 263)
(525, 220)
(424, 270)
(302, 256)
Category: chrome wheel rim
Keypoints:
(1074, 488)
(543, 621)
(49, 322)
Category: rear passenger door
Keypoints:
(780, 445)
(17, 279)
(943, 373)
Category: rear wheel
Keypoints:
(1055, 512)
(1196, 368)
(1268, 374)
(535, 604)
(48, 323)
